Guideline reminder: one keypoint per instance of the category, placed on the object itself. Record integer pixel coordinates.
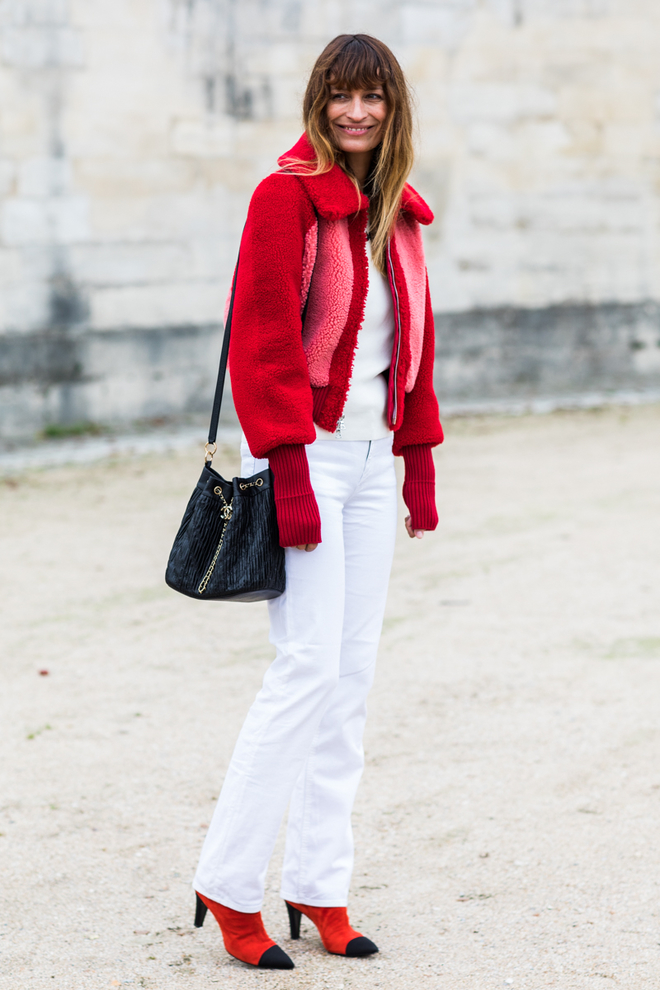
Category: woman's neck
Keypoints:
(359, 162)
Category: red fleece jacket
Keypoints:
(304, 251)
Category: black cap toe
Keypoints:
(276, 958)
(361, 946)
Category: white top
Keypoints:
(365, 411)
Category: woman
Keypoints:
(331, 361)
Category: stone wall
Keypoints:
(132, 133)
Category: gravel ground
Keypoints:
(506, 827)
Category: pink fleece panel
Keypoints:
(309, 259)
(408, 240)
(329, 298)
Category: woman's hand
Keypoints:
(412, 533)
(307, 546)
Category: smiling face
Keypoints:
(357, 117)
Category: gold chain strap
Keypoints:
(226, 515)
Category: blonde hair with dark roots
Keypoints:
(358, 61)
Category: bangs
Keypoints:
(358, 66)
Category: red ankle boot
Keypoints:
(244, 935)
(335, 931)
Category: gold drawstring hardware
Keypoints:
(208, 455)
(226, 513)
(251, 484)
(227, 507)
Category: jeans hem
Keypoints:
(340, 900)
(227, 902)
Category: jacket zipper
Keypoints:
(397, 348)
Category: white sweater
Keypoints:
(364, 416)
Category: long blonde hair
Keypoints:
(358, 61)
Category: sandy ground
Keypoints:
(507, 825)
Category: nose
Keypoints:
(356, 110)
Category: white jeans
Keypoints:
(301, 743)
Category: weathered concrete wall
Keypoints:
(508, 356)
(132, 133)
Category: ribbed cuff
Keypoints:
(298, 517)
(419, 486)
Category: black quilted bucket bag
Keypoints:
(228, 545)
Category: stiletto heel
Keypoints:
(294, 920)
(334, 928)
(244, 935)
(200, 911)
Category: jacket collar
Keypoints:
(334, 195)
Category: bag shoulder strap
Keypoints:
(222, 370)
